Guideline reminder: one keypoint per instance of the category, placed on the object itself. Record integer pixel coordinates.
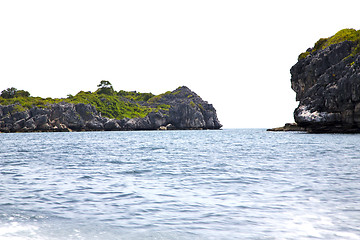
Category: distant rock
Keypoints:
(189, 111)
(184, 110)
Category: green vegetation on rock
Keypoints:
(157, 98)
(29, 102)
(135, 96)
(341, 36)
(111, 104)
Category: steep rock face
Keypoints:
(186, 111)
(189, 111)
(327, 86)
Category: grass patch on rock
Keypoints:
(347, 34)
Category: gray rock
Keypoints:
(327, 86)
(86, 111)
(7, 119)
(20, 115)
(156, 119)
(40, 120)
(94, 125)
(7, 110)
(35, 111)
(30, 125)
(111, 125)
(59, 109)
(136, 124)
(45, 127)
(18, 125)
(73, 120)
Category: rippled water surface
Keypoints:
(229, 184)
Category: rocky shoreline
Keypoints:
(288, 127)
(186, 111)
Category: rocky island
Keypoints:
(106, 109)
(326, 80)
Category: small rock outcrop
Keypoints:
(288, 127)
(185, 110)
(326, 80)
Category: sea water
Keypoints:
(226, 184)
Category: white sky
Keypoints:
(235, 54)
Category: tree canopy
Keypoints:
(13, 92)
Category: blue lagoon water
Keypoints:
(229, 184)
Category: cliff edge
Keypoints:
(326, 80)
(108, 110)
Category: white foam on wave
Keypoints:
(18, 231)
(315, 225)
(347, 235)
(304, 226)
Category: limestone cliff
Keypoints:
(326, 80)
(180, 109)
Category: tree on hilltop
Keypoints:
(105, 87)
